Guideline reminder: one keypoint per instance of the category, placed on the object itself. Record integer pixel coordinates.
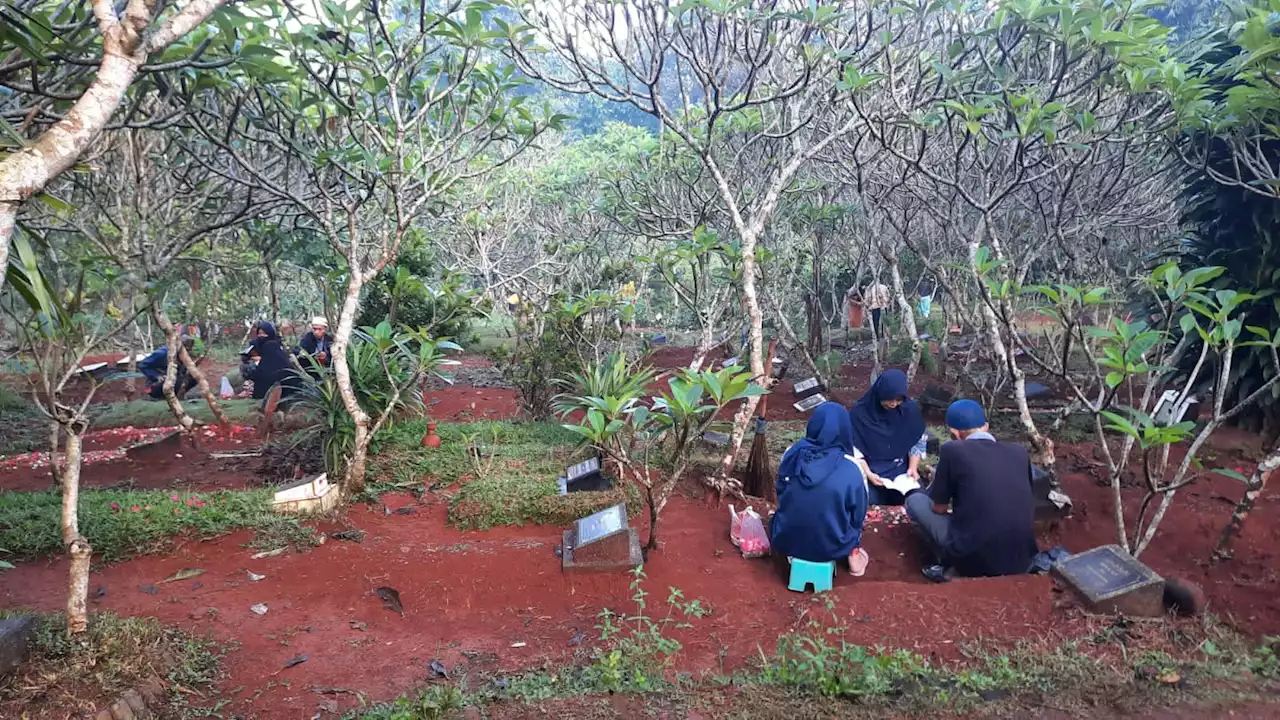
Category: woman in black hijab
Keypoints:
(274, 366)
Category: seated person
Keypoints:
(316, 345)
(987, 484)
(822, 496)
(889, 435)
(268, 363)
(154, 366)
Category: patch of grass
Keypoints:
(154, 413)
(30, 521)
(435, 702)
(115, 654)
(508, 479)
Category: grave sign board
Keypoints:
(810, 402)
(717, 439)
(586, 476)
(601, 541)
(1109, 580)
(806, 387)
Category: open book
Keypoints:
(904, 483)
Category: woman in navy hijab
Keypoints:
(888, 434)
(822, 496)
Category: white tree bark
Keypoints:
(126, 44)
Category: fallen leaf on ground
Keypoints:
(101, 592)
(1170, 678)
(260, 609)
(295, 660)
(518, 645)
(357, 625)
(438, 668)
(577, 638)
(269, 553)
(254, 577)
(149, 589)
(390, 599)
(403, 511)
(329, 706)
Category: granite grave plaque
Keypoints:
(602, 541)
(805, 388)
(586, 477)
(810, 402)
(1109, 580)
(718, 439)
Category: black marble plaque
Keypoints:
(718, 439)
(582, 469)
(1106, 572)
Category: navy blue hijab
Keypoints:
(828, 438)
(883, 434)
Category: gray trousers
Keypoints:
(934, 528)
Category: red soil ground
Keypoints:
(470, 596)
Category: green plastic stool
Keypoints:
(805, 573)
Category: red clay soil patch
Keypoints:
(109, 461)
(461, 403)
(469, 597)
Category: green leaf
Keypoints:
(1114, 379)
(1228, 472)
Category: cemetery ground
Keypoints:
(240, 612)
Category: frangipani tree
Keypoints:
(638, 437)
(366, 120)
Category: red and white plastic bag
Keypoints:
(746, 531)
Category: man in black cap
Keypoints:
(987, 486)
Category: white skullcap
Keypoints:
(319, 320)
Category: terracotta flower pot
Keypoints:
(431, 439)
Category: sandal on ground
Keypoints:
(858, 561)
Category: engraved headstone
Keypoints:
(602, 541)
(586, 477)
(805, 388)
(810, 402)
(1109, 580)
(717, 439)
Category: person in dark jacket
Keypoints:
(990, 530)
(154, 366)
(316, 345)
(273, 364)
(889, 435)
(822, 495)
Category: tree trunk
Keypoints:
(653, 520)
(273, 292)
(26, 173)
(706, 341)
(908, 312)
(131, 384)
(793, 342)
(202, 383)
(1257, 483)
(355, 470)
(751, 303)
(174, 344)
(78, 549)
